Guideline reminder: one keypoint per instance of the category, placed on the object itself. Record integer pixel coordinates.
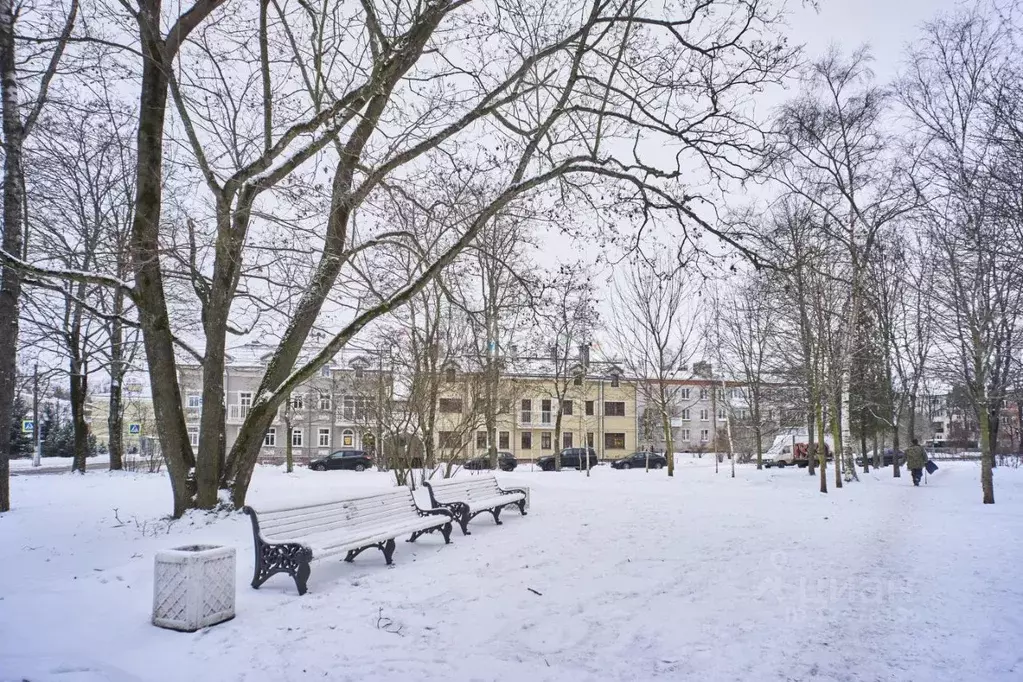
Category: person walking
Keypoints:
(916, 460)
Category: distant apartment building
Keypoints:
(598, 408)
(705, 410)
(332, 411)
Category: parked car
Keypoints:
(343, 459)
(886, 458)
(571, 458)
(505, 461)
(638, 460)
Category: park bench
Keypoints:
(287, 539)
(468, 496)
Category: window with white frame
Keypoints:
(684, 394)
(703, 394)
(347, 438)
(270, 439)
(686, 435)
(245, 399)
(296, 438)
(704, 435)
(704, 415)
(686, 415)
(722, 414)
(194, 400)
(297, 401)
(325, 371)
(324, 401)
(323, 438)
(193, 436)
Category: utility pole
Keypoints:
(37, 450)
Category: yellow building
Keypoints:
(139, 420)
(598, 409)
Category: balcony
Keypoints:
(237, 413)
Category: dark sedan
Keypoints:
(505, 461)
(357, 460)
(638, 460)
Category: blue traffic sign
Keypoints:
(134, 429)
(28, 426)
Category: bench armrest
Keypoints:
(436, 511)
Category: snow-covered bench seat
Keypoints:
(468, 496)
(288, 538)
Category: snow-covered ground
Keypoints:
(639, 577)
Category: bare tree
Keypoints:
(654, 330)
(19, 119)
(954, 73)
(746, 334)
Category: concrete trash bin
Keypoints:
(193, 587)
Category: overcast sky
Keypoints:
(887, 26)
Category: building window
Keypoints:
(323, 438)
(359, 372)
(721, 414)
(450, 405)
(566, 408)
(614, 409)
(589, 439)
(270, 439)
(298, 401)
(449, 375)
(448, 439)
(245, 399)
(527, 440)
(735, 393)
(527, 412)
(504, 407)
(503, 440)
(347, 438)
(325, 371)
(686, 435)
(296, 437)
(545, 440)
(704, 435)
(685, 415)
(324, 401)
(545, 411)
(589, 408)
(194, 400)
(703, 394)
(355, 408)
(704, 415)
(615, 381)
(684, 394)
(566, 439)
(577, 380)
(193, 436)
(614, 441)
(481, 440)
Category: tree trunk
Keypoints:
(895, 450)
(877, 452)
(289, 454)
(557, 443)
(811, 449)
(158, 339)
(863, 442)
(822, 450)
(79, 391)
(13, 193)
(836, 437)
(987, 456)
(115, 425)
(912, 417)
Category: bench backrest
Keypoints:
(293, 524)
(464, 489)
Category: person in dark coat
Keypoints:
(916, 459)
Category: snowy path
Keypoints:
(641, 577)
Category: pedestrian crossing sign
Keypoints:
(28, 426)
(134, 429)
